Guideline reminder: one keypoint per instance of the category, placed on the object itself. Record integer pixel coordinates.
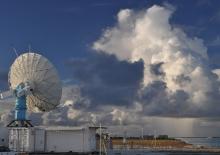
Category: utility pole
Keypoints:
(100, 140)
(142, 133)
(155, 139)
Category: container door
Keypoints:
(39, 140)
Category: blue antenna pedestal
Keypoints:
(20, 108)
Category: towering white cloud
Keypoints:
(148, 35)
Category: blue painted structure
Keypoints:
(20, 105)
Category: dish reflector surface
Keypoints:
(42, 76)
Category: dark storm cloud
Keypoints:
(159, 103)
(58, 117)
(182, 79)
(155, 90)
(106, 80)
(154, 98)
(157, 100)
(156, 69)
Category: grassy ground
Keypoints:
(143, 143)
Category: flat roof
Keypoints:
(63, 128)
(67, 128)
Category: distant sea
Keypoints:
(206, 142)
(144, 152)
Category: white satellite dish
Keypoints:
(40, 78)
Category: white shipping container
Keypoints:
(70, 139)
(52, 139)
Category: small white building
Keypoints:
(52, 139)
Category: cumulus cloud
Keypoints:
(177, 78)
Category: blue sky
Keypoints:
(64, 29)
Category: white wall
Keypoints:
(20, 138)
(65, 141)
(39, 140)
(4, 136)
(72, 140)
(92, 139)
(48, 140)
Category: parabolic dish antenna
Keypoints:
(38, 76)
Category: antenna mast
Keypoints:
(29, 48)
(15, 51)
